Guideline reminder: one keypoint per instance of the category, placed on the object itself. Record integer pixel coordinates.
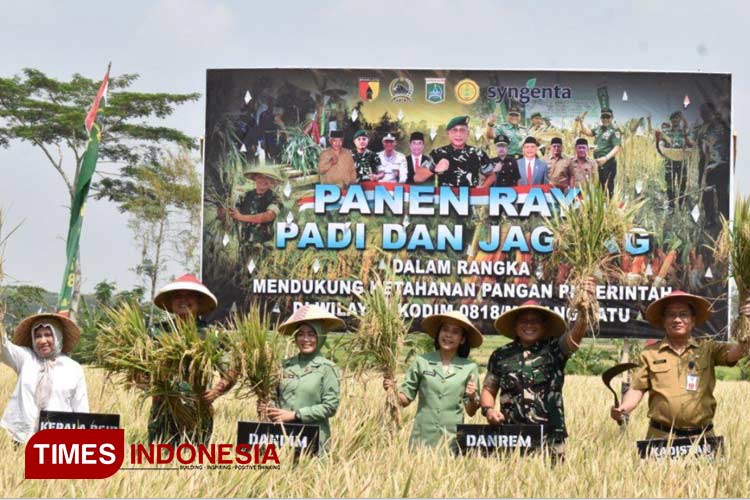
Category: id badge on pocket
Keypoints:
(692, 382)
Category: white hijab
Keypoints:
(44, 385)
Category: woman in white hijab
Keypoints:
(47, 378)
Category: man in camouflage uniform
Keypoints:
(257, 210)
(456, 164)
(512, 129)
(529, 372)
(188, 300)
(675, 136)
(607, 143)
(503, 170)
(713, 140)
(366, 162)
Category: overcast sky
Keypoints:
(171, 43)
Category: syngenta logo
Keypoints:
(499, 93)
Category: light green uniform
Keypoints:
(441, 397)
(310, 386)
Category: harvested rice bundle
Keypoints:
(733, 247)
(123, 345)
(588, 236)
(257, 352)
(379, 340)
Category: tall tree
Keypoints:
(162, 195)
(49, 114)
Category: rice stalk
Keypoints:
(379, 340)
(257, 352)
(589, 235)
(732, 246)
(123, 346)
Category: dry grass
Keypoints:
(601, 462)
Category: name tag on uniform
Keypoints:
(692, 382)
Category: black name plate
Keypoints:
(303, 437)
(72, 420)
(707, 446)
(507, 437)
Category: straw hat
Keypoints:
(307, 313)
(70, 331)
(555, 324)
(265, 170)
(701, 307)
(206, 302)
(431, 326)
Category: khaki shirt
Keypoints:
(664, 374)
(337, 168)
(559, 172)
(580, 171)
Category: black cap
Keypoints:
(502, 139)
(416, 136)
(531, 140)
(337, 134)
(556, 140)
(582, 142)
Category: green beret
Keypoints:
(456, 121)
(536, 115)
(360, 133)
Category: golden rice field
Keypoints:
(368, 462)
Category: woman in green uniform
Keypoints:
(445, 380)
(309, 389)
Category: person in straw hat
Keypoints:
(446, 382)
(309, 389)
(679, 372)
(257, 210)
(48, 379)
(188, 299)
(529, 372)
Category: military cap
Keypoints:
(582, 142)
(416, 136)
(531, 140)
(676, 114)
(389, 137)
(556, 140)
(337, 134)
(607, 111)
(513, 109)
(360, 133)
(536, 115)
(456, 121)
(502, 139)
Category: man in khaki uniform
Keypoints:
(582, 167)
(336, 164)
(558, 165)
(678, 372)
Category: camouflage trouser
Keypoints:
(163, 429)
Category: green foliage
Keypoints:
(300, 152)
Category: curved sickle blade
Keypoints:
(611, 373)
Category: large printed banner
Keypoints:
(441, 183)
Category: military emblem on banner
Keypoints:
(467, 91)
(434, 90)
(369, 88)
(401, 89)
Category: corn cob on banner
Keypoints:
(317, 179)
